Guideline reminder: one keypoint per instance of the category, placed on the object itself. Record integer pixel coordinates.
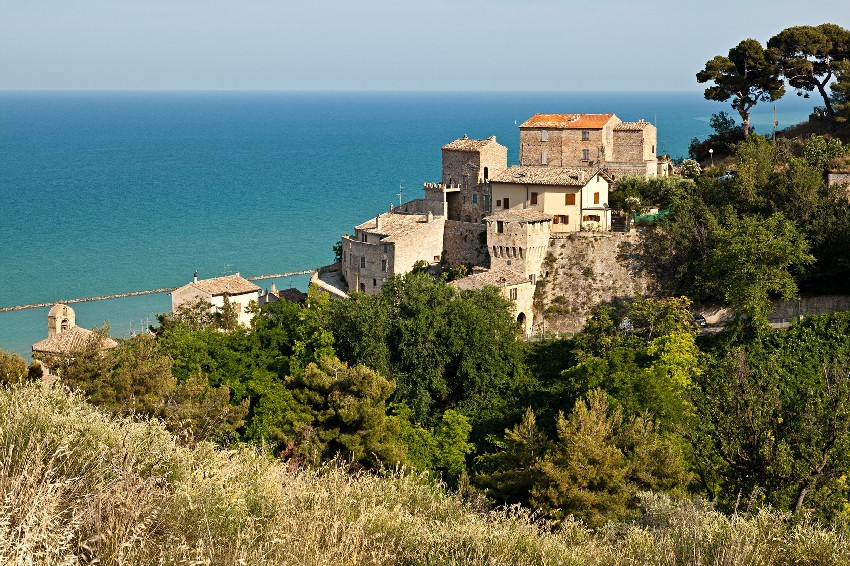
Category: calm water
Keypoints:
(105, 193)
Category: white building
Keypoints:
(239, 292)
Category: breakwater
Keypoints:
(138, 293)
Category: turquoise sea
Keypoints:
(108, 192)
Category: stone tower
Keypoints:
(59, 319)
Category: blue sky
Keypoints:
(381, 44)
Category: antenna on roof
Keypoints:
(400, 191)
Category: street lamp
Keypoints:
(711, 155)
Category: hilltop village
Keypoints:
(504, 220)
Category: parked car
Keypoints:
(699, 320)
(727, 175)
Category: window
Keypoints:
(487, 203)
(498, 202)
(595, 198)
(384, 265)
(653, 150)
(570, 199)
(374, 282)
(561, 219)
(513, 293)
(500, 226)
(474, 198)
(591, 218)
(363, 236)
(533, 198)
(507, 203)
(436, 258)
(557, 219)
(384, 248)
(486, 174)
(362, 287)
(532, 278)
(585, 135)
(544, 135)
(585, 155)
(544, 157)
(362, 261)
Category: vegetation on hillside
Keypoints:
(81, 487)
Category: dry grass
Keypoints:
(80, 488)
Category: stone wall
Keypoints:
(838, 178)
(520, 247)
(462, 243)
(646, 169)
(563, 147)
(585, 269)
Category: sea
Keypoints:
(113, 192)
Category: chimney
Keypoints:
(273, 290)
(378, 222)
(429, 217)
(195, 280)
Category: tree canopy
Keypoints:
(747, 76)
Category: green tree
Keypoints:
(754, 258)
(747, 76)
(510, 471)
(600, 461)
(342, 411)
(196, 411)
(13, 368)
(773, 419)
(807, 55)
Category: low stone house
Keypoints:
(238, 291)
(390, 244)
(576, 198)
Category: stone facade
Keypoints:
(589, 140)
(390, 244)
(464, 191)
(517, 240)
(465, 242)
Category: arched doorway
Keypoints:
(521, 320)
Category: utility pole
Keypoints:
(400, 191)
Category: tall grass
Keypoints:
(78, 487)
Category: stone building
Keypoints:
(590, 140)
(464, 193)
(576, 198)
(239, 292)
(390, 244)
(64, 337)
(517, 240)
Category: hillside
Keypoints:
(79, 487)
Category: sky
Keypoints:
(439, 45)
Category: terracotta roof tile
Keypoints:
(496, 278)
(466, 144)
(395, 225)
(72, 340)
(568, 121)
(545, 175)
(632, 126)
(229, 284)
(521, 214)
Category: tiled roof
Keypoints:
(292, 295)
(545, 175)
(568, 121)
(227, 285)
(466, 144)
(395, 225)
(523, 214)
(72, 340)
(496, 278)
(632, 126)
